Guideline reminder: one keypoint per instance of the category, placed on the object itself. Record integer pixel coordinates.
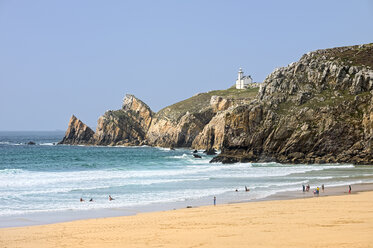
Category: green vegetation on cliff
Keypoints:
(202, 100)
(359, 55)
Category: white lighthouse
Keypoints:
(243, 81)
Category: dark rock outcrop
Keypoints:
(317, 110)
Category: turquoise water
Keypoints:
(48, 178)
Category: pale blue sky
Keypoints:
(59, 58)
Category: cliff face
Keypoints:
(166, 132)
(177, 125)
(316, 110)
(77, 133)
(127, 126)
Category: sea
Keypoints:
(51, 178)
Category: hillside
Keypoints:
(317, 110)
(186, 123)
(201, 101)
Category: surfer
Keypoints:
(111, 198)
(247, 189)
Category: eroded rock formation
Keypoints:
(77, 133)
(127, 126)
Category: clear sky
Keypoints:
(59, 58)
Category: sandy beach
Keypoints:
(334, 221)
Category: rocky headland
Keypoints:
(316, 110)
(196, 122)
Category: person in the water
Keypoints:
(111, 198)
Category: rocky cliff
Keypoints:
(127, 126)
(77, 133)
(177, 125)
(317, 110)
(190, 123)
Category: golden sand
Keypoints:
(334, 221)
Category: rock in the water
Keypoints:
(77, 133)
(210, 151)
(196, 156)
(127, 126)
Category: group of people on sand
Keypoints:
(91, 200)
(316, 191)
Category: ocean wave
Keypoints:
(37, 178)
(141, 199)
(92, 190)
(182, 156)
(48, 144)
(11, 144)
(162, 148)
(11, 171)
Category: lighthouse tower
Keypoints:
(243, 81)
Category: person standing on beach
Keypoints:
(304, 188)
(322, 187)
(214, 200)
(349, 189)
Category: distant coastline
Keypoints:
(317, 110)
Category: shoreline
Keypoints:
(330, 221)
(66, 216)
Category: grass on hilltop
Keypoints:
(202, 100)
(359, 55)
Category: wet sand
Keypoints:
(345, 220)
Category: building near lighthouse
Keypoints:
(242, 81)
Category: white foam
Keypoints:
(47, 144)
